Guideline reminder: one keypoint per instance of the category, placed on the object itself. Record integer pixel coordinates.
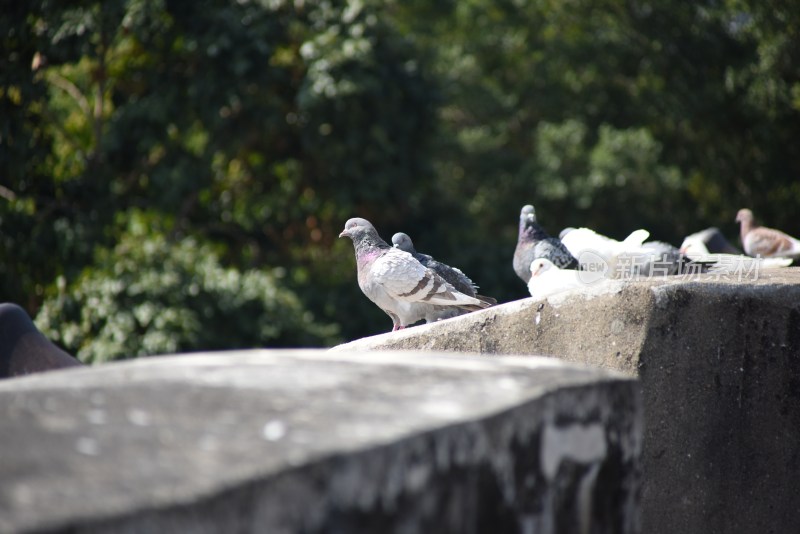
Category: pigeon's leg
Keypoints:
(397, 327)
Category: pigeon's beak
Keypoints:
(344, 234)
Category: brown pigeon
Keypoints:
(765, 242)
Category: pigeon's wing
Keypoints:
(584, 240)
(405, 279)
(636, 238)
(454, 277)
(767, 242)
(552, 282)
(424, 259)
(554, 250)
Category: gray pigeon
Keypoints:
(452, 275)
(533, 243)
(399, 284)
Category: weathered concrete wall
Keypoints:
(311, 441)
(719, 369)
(607, 329)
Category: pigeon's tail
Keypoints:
(472, 307)
(480, 306)
(488, 300)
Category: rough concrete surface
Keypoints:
(312, 441)
(719, 365)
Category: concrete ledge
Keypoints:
(288, 441)
(581, 330)
(719, 366)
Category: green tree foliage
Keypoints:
(252, 126)
(155, 295)
(25, 147)
(613, 115)
(254, 129)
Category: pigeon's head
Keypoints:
(744, 215)
(692, 246)
(403, 242)
(357, 228)
(541, 265)
(527, 213)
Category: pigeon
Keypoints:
(765, 242)
(695, 249)
(661, 259)
(632, 257)
(708, 241)
(694, 246)
(533, 242)
(401, 286)
(452, 275)
(599, 253)
(547, 279)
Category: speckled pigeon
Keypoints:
(452, 275)
(533, 242)
(399, 284)
(765, 242)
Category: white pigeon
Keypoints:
(598, 253)
(547, 279)
(400, 285)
